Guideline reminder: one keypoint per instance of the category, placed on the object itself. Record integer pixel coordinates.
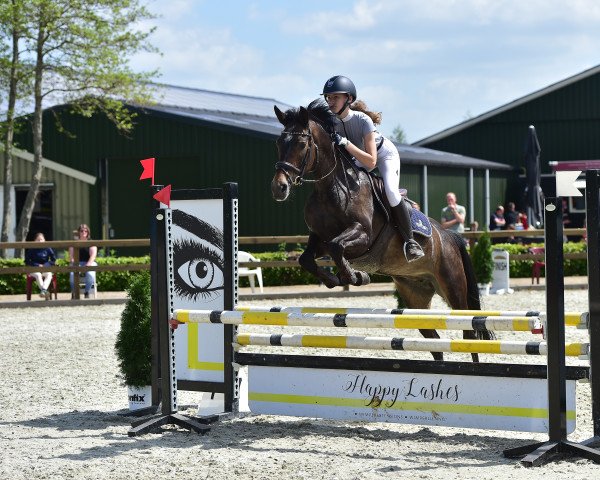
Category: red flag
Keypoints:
(148, 172)
(164, 196)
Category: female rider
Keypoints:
(355, 130)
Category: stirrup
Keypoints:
(415, 254)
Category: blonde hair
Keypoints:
(84, 226)
(361, 106)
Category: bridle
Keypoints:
(287, 167)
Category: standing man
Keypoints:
(453, 216)
(511, 216)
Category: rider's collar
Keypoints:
(349, 116)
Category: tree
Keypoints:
(14, 79)
(398, 135)
(79, 51)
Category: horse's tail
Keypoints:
(473, 297)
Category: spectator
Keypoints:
(41, 257)
(87, 257)
(497, 221)
(511, 216)
(524, 221)
(453, 216)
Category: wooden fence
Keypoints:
(537, 235)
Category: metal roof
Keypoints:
(515, 103)
(413, 155)
(255, 114)
(196, 99)
(255, 123)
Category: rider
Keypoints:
(355, 130)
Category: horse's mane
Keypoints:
(319, 111)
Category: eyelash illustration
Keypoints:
(198, 270)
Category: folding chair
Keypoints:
(53, 288)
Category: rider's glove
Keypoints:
(339, 140)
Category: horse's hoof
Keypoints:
(347, 279)
(362, 278)
(331, 282)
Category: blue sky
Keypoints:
(427, 65)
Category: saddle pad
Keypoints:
(420, 223)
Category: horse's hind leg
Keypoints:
(418, 294)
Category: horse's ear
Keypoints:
(303, 116)
(280, 114)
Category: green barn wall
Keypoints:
(191, 154)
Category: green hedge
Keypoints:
(119, 281)
(107, 281)
(522, 268)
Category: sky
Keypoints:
(427, 65)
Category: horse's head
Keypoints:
(297, 152)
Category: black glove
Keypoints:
(339, 140)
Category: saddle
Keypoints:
(419, 222)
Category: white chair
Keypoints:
(250, 272)
(93, 290)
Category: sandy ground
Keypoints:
(62, 416)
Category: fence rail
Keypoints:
(249, 240)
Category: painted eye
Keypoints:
(198, 270)
(201, 273)
(197, 258)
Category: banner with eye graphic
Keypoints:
(203, 246)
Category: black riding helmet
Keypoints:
(340, 84)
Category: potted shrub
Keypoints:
(483, 262)
(133, 345)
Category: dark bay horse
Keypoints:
(346, 223)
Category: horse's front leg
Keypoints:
(314, 249)
(354, 236)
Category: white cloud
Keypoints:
(423, 63)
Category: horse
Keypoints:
(347, 223)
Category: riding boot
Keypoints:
(401, 217)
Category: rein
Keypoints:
(286, 167)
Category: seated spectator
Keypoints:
(524, 221)
(41, 257)
(87, 257)
(497, 221)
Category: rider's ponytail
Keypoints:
(361, 106)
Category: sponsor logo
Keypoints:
(136, 397)
(387, 395)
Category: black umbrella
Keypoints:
(534, 197)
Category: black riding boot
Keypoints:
(401, 217)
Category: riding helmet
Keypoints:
(340, 84)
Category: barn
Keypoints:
(202, 139)
(566, 116)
